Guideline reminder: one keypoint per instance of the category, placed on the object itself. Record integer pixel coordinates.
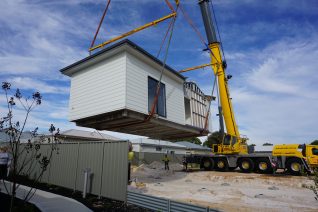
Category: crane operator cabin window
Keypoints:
(161, 103)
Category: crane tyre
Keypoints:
(264, 166)
(294, 166)
(221, 165)
(246, 165)
(207, 164)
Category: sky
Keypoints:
(271, 48)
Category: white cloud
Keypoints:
(276, 101)
(27, 83)
(273, 88)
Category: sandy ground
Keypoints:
(225, 191)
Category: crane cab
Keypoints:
(231, 145)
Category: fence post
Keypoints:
(102, 170)
(168, 205)
(76, 170)
(49, 174)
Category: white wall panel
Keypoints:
(99, 88)
(137, 89)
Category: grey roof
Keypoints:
(152, 142)
(121, 43)
(81, 134)
(193, 146)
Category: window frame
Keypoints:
(162, 85)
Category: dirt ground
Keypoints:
(225, 191)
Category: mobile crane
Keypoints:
(232, 151)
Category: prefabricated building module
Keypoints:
(114, 89)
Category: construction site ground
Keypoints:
(225, 191)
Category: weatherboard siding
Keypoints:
(137, 74)
(99, 88)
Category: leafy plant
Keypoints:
(26, 157)
(315, 142)
(214, 138)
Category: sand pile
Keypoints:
(160, 166)
(155, 171)
(226, 191)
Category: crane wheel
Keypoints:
(222, 165)
(207, 164)
(264, 166)
(246, 165)
(294, 166)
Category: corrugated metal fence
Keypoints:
(161, 204)
(107, 160)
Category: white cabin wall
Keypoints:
(90, 88)
(137, 89)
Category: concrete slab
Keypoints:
(48, 202)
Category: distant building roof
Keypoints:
(193, 146)
(87, 135)
(152, 142)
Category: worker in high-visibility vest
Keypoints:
(166, 160)
(185, 163)
(130, 159)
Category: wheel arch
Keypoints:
(301, 160)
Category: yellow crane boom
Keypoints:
(232, 143)
(153, 23)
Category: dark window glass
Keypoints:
(161, 103)
(234, 140)
(227, 140)
(315, 151)
(158, 148)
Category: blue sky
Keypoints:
(271, 49)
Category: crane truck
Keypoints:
(232, 150)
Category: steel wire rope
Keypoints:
(99, 25)
(191, 23)
(164, 39)
(162, 71)
(209, 108)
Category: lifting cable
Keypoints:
(191, 23)
(100, 24)
(209, 108)
(152, 112)
(154, 104)
(164, 39)
(170, 28)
